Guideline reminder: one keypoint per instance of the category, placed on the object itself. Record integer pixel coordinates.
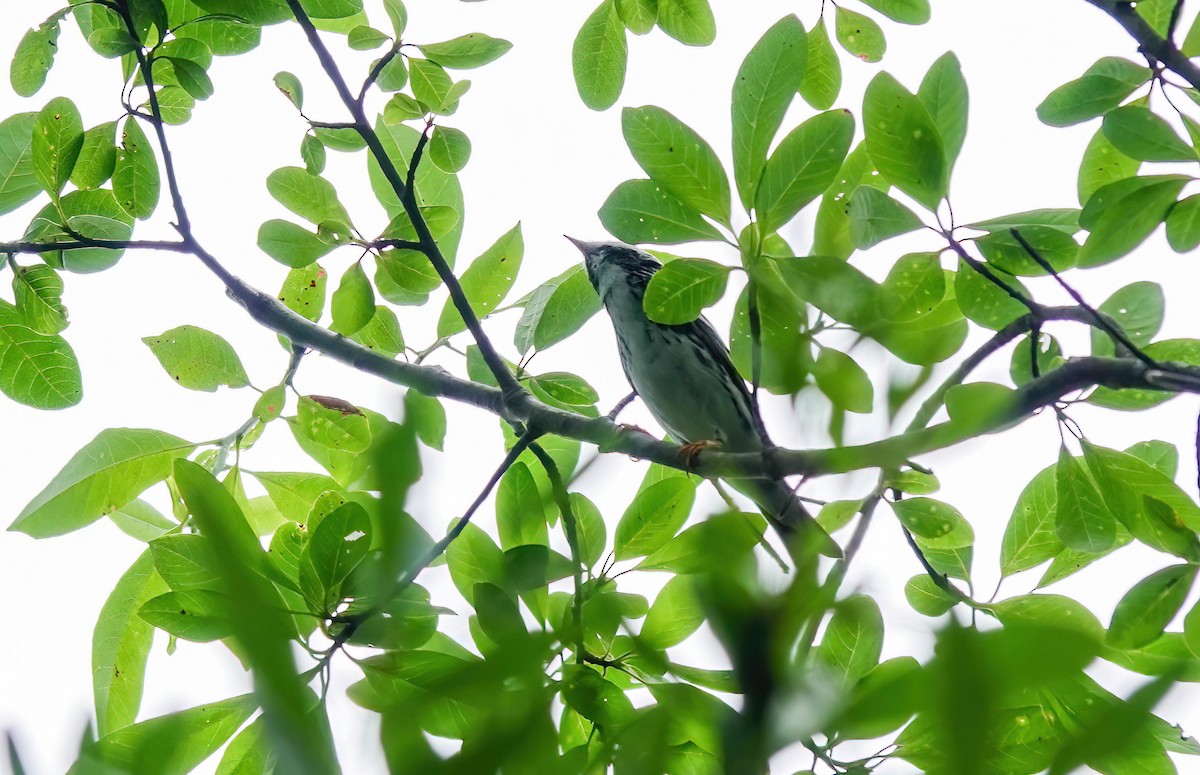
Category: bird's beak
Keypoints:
(584, 247)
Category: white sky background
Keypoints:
(543, 159)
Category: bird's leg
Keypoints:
(624, 402)
(691, 451)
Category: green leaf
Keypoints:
(914, 287)
(1146, 500)
(823, 74)
(859, 35)
(883, 700)
(595, 698)
(290, 86)
(353, 303)
(1183, 224)
(192, 77)
(766, 82)
(178, 742)
(802, 167)
(1146, 609)
(382, 332)
(97, 158)
(1084, 98)
(307, 195)
(34, 57)
(57, 140)
(654, 516)
(186, 562)
(91, 214)
(556, 309)
(935, 523)
(1056, 246)
(365, 38)
(1030, 538)
(843, 381)
(432, 85)
(449, 149)
(599, 57)
(334, 549)
(196, 615)
(107, 473)
(674, 156)
(38, 292)
(487, 281)
(312, 151)
(303, 291)
(903, 11)
(675, 614)
(903, 141)
(875, 217)
(112, 42)
(926, 597)
(638, 16)
(1140, 134)
(427, 416)
(405, 276)
(853, 640)
(983, 302)
(473, 558)
(1083, 521)
(688, 21)
(640, 211)
(520, 514)
(37, 370)
(1063, 218)
(1121, 215)
(140, 520)
(1138, 309)
(1102, 164)
(466, 51)
(18, 182)
(248, 753)
(565, 388)
(590, 529)
(943, 92)
(198, 359)
(680, 291)
(121, 645)
(732, 535)
(290, 244)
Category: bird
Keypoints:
(687, 379)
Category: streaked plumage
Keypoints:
(685, 376)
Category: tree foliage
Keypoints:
(568, 670)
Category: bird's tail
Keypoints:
(785, 511)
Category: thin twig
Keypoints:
(1114, 331)
(511, 389)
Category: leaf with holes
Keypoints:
(680, 291)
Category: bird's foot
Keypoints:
(691, 451)
(636, 428)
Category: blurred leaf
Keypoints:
(1083, 520)
(675, 614)
(853, 640)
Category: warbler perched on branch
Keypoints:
(686, 377)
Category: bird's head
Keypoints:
(609, 263)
